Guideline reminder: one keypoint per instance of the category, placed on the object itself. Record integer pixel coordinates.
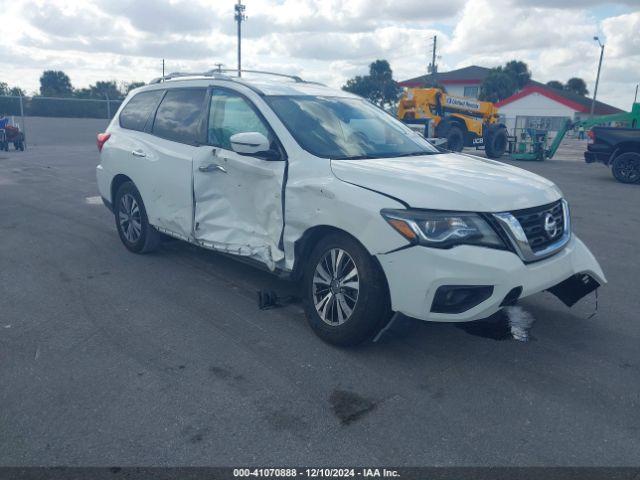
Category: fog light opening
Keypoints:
(459, 298)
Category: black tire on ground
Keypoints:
(626, 167)
(496, 143)
(148, 238)
(455, 138)
(371, 310)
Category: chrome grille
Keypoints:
(539, 232)
(534, 220)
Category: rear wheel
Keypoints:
(496, 143)
(134, 229)
(346, 297)
(626, 167)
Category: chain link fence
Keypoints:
(37, 106)
(20, 108)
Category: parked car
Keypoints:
(322, 187)
(618, 148)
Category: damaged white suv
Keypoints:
(322, 187)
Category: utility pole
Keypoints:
(240, 17)
(635, 98)
(163, 69)
(219, 66)
(433, 68)
(595, 91)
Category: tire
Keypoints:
(369, 301)
(138, 236)
(626, 167)
(455, 138)
(496, 143)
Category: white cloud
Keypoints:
(324, 40)
(557, 43)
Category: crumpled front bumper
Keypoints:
(414, 274)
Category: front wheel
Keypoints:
(626, 167)
(134, 229)
(455, 139)
(496, 143)
(345, 291)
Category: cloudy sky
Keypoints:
(322, 40)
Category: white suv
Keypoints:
(323, 187)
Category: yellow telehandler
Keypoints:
(463, 122)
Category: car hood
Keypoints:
(450, 182)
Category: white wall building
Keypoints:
(543, 107)
(464, 82)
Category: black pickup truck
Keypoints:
(618, 148)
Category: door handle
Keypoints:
(138, 153)
(212, 167)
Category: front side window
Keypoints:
(179, 116)
(136, 112)
(230, 113)
(347, 128)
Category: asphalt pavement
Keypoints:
(110, 358)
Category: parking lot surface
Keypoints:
(110, 358)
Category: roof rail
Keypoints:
(171, 76)
(220, 73)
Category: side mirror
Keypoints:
(249, 143)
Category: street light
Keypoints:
(595, 91)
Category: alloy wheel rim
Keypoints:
(130, 218)
(630, 170)
(336, 285)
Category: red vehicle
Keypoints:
(10, 134)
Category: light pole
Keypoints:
(595, 91)
(240, 16)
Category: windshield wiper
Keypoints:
(357, 157)
(416, 154)
(386, 155)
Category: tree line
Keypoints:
(378, 86)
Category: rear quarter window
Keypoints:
(180, 116)
(138, 110)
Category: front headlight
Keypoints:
(440, 229)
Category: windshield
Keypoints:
(347, 128)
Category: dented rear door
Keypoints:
(238, 199)
(178, 132)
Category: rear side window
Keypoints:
(179, 116)
(137, 111)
